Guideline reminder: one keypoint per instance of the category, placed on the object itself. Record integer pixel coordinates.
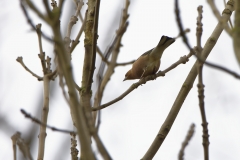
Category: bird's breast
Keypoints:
(145, 67)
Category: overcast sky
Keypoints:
(129, 126)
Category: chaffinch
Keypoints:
(149, 62)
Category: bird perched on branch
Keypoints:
(149, 62)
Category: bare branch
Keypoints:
(218, 67)
(34, 8)
(31, 23)
(218, 16)
(44, 116)
(20, 60)
(41, 55)
(24, 148)
(35, 120)
(76, 41)
(186, 141)
(125, 63)
(236, 32)
(199, 27)
(107, 62)
(202, 111)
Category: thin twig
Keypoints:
(125, 63)
(201, 89)
(29, 20)
(76, 41)
(203, 115)
(186, 141)
(202, 111)
(218, 67)
(20, 60)
(35, 120)
(199, 28)
(107, 62)
(46, 4)
(74, 19)
(41, 55)
(35, 9)
(103, 58)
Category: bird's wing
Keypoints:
(146, 53)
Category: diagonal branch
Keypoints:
(187, 85)
(35, 120)
(20, 60)
(29, 20)
(182, 60)
(186, 141)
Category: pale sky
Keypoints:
(129, 126)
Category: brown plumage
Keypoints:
(149, 62)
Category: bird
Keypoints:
(149, 62)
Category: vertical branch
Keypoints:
(116, 48)
(46, 65)
(41, 55)
(42, 135)
(73, 21)
(76, 41)
(187, 85)
(88, 65)
(98, 141)
(95, 35)
(203, 114)
(76, 109)
(236, 33)
(77, 112)
(199, 28)
(14, 145)
(201, 88)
